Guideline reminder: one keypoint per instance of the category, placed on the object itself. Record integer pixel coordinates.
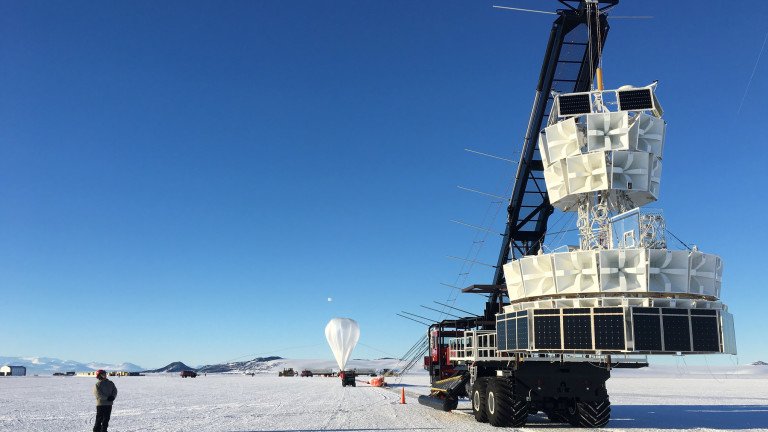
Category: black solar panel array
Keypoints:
(677, 333)
(609, 332)
(636, 99)
(578, 332)
(522, 331)
(603, 329)
(684, 330)
(512, 331)
(705, 336)
(502, 343)
(574, 104)
(568, 329)
(546, 331)
(647, 330)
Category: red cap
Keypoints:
(100, 372)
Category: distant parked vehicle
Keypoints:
(306, 373)
(287, 372)
(348, 378)
(188, 374)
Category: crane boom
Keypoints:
(569, 65)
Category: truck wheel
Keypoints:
(504, 409)
(594, 414)
(478, 400)
(498, 403)
(520, 411)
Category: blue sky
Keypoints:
(193, 180)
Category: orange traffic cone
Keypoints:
(402, 395)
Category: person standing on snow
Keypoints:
(105, 392)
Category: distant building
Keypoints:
(13, 371)
(124, 373)
(111, 373)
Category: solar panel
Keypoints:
(609, 332)
(501, 335)
(578, 332)
(547, 332)
(635, 99)
(677, 333)
(647, 331)
(522, 333)
(574, 104)
(511, 335)
(705, 334)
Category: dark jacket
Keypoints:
(105, 392)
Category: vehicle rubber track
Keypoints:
(504, 410)
(479, 394)
(594, 414)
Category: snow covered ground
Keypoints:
(643, 400)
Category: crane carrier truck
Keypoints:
(556, 324)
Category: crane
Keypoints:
(555, 324)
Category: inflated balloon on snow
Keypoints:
(342, 335)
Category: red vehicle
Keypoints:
(348, 378)
(188, 374)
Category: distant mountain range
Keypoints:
(257, 365)
(172, 367)
(48, 366)
(273, 364)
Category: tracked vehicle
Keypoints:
(556, 324)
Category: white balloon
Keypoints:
(342, 335)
